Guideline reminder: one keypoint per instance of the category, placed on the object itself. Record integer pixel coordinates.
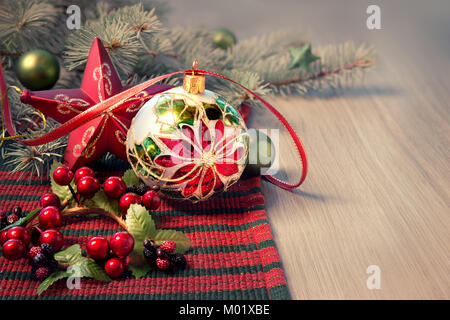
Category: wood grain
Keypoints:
(378, 190)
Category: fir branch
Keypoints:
(24, 24)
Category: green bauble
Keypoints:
(261, 153)
(37, 70)
(224, 38)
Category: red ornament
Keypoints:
(114, 187)
(63, 176)
(53, 237)
(88, 186)
(122, 243)
(127, 200)
(97, 248)
(19, 233)
(104, 133)
(50, 217)
(13, 249)
(151, 200)
(50, 199)
(83, 172)
(114, 267)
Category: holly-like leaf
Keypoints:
(140, 225)
(62, 192)
(182, 240)
(129, 177)
(87, 268)
(101, 200)
(51, 280)
(139, 222)
(139, 270)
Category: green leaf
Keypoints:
(182, 240)
(139, 270)
(101, 200)
(139, 222)
(51, 280)
(130, 178)
(62, 192)
(88, 268)
(22, 221)
(140, 225)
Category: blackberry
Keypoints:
(160, 253)
(41, 260)
(149, 243)
(141, 190)
(131, 188)
(17, 211)
(53, 264)
(12, 218)
(150, 254)
(47, 250)
(178, 260)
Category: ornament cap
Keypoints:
(194, 82)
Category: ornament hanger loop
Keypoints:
(194, 66)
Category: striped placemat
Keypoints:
(233, 254)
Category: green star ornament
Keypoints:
(302, 57)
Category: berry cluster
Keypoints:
(15, 241)
(7, 218)
(113, 253)
(43, 261)
(163, 256)
(114, 187)
(142, 194)
(85, 180)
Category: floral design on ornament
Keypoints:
(206, 159)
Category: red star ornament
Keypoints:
(103, 134)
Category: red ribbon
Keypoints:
(113, 104)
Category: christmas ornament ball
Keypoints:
(223, 38)
(191, 145)
(37, 70)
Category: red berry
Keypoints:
(88, 186)
(122, 243)
(19, 233)
(50, 217)
(97, 248)
(84, 172)
(34, 251)
(3, 236)
(53, 237)
(62, 175)
(42, 273)
(114, 187)
(127, 200)
(151, 200)
(13, 249)
(168, 246)
(162, 264)
(114, 267)
(50, 199)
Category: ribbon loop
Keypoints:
(114, 103)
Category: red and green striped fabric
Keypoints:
(233, 254)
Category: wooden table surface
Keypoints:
(377, 192)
